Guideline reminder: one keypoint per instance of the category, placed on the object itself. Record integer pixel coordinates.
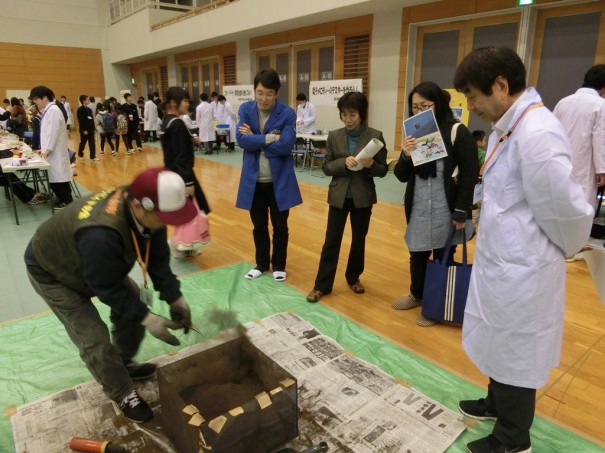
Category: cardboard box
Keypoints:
(228, 399)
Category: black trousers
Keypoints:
(337, 219)
(63, 191)
(107, 137)
(133, 134)
(84, 139)
(20, 190)
(152, 134)
(515, 407)
(418, 262)
(263, 205)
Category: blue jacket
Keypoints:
(278, 153)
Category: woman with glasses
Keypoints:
(351, 194)
(435, 201)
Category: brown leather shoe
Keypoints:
(314, 296)
(357, 287)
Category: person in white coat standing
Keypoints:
(583, 117)
(151, 123)
(226, 115)
(204, 117)
(53, 144)
(305, 115)
(533, 215)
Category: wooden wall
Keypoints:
(136, 71)
(69, 71)
(338, 29)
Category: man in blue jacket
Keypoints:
(268, 185)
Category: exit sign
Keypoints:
(526, 2)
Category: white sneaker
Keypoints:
(95, 159)
(576, 257)
(130, 151)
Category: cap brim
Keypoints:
(184, 215)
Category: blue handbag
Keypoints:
(446, 286)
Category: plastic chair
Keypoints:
(298, 152)
(316, 154)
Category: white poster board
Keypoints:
(19, 94)
(238, 94)
(326, 93)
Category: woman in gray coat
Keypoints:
(352, 192)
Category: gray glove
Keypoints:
(180, 313)
(158, 327)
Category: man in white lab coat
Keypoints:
(225, 115)
(150, 115)
(583, 117)
(53, 144)
(305, 115)
(533, 215)
(70, 115)
(204, 117)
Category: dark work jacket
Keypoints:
(459, 194)
(131, 109)
(88, 247)
(85, 120)
(177, 145)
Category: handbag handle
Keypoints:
(448, 246)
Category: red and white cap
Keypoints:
(163, 192)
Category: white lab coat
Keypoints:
(70, 115)
(226, 115)
(307, 115)
(533, 215)
(204, 117)
(151, 116)
(583, 117)
(53, 137)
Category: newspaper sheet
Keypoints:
(344, 401)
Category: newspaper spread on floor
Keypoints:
(344, 401)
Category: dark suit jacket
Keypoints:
(361, 182)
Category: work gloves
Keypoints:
(158, 325)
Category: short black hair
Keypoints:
(301, 97)
(14, 101)
(221, 98)
(268, 78)
(176, 94)
(479, 135)
(6, 101)
(156, 94)
(150, 96)
(127, 95)
(112, 99)
(63, 97)
(354, 100)
(213, 94)
(92, 99)
(595, 77)
(433, 92)
(83, 97)
(100, 106)
(483, 66)
(40, 91)
(204, 97)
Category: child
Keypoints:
(481, 141)
(105, 126)
(121, 128)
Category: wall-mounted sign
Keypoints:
(238, 94)
(326, 75)
(303, 77)
(328, 92)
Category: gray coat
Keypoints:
(362, 184)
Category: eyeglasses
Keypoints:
(421, 107)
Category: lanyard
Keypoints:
(505, 136)
(142, 263)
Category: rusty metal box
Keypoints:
(228, 399)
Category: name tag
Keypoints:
(146, 294)
(478, 193)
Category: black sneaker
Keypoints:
(490, 444)
(135, 408)
(140, 371)
(476, 409)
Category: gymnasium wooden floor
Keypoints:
(575, 395)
